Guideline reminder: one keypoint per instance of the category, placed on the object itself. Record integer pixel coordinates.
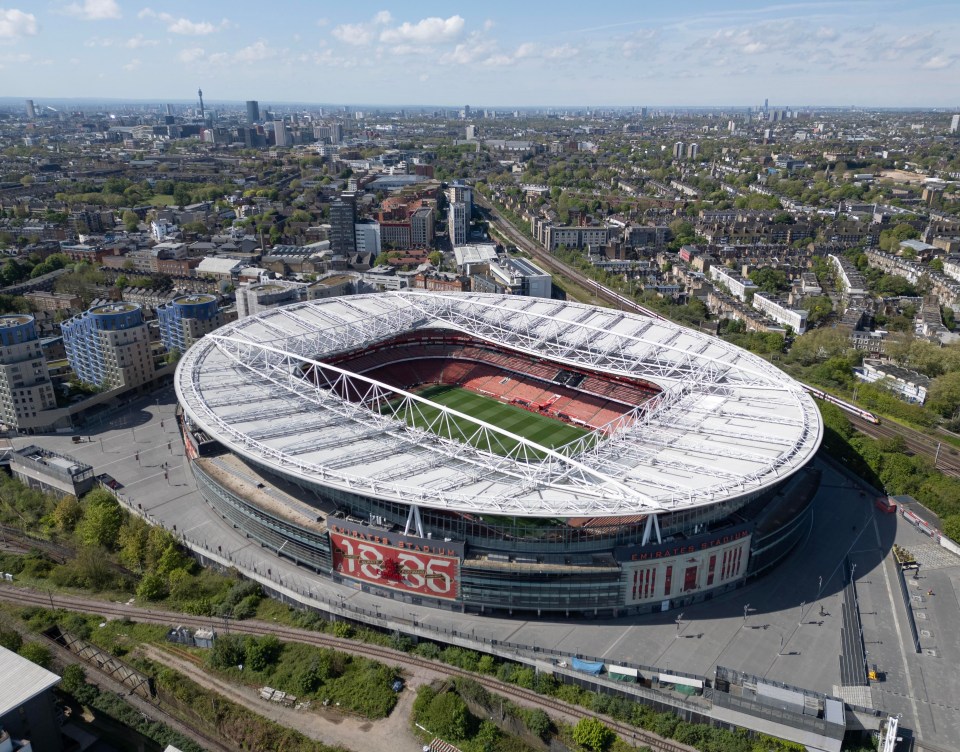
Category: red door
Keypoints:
(690, 579)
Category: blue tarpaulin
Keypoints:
(588, 667)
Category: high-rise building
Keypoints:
(31, 110)
(200, 94)
(25, 387)
(168, 110)
(471, 133)
(109, 346)
(280, 133)
(692, 151)
(186, 319)
(458, 223)
(253, 111)
(343, 237)
(462, 193)
(766, 106)
(678, 150)
(421, 228)
(955, 123)
(367, 236)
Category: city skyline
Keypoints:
(869, 53)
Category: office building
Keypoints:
(421, 228)
(253, 111)
(678, 150)
(458, 223)
(954, 123)
(186, 319)
(280, 133)
(692, 151)
(32, 111)
(109, 346)
(343, 234)
(471, 133)
(461, 193)
(260, 296)
(25, 387)
(367, 235)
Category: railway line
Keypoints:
(631, 734)
(946, 458)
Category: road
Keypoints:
(524, 697)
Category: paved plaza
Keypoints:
(784, 626)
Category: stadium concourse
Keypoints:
(500, 454)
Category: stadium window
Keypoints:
(668, 580)
(711, 568)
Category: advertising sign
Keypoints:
(425, 573)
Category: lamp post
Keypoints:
(679, 618)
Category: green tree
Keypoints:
(951, 527)
(448, 717)
(130, 221)
(10, 639)
(74, 678)
(152, 587)
(102, 518)
(181, 194)
(36, 653)
(67, 514)
(944, 394)
(92, 568)
(260, 652)
(592, 734)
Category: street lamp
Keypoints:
(678, 625)
(746, 610)
(802, 604)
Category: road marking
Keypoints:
(615, 642)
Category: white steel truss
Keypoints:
(639, 462)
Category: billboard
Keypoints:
(422, 572)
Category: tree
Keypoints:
(260, 652)
(130, 221)
(448, 717)
(102, 518)
(951, 527)
(592, 734)
(181, 194)
(944, 394)
(10, 639)
(67, 514)
(36, 653)
(74, 678)
(92, 568)
(153, 587)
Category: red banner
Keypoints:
(425, 574)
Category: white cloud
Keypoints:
(527, 49)
(913, 41)
(254, 53)
(431, 30)
(184, 25)
(138, 41)
(361, 34)
(321, 22)
(15, 23)
(132, 65)
(94, 10)
(191, 55)
(562, 52)
(939, 62)
(355, 34)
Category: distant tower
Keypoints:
(954, 121)
(200, 94)
(169, 109)
(253, 111)
(31, 110)
(678, 150)
(693, 150)
(766, 106)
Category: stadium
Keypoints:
(498, 454)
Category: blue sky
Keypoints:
(519, 53)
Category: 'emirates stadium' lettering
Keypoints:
(385, 541)
(662, 553)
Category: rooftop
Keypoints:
(726, 422)
(31, 680)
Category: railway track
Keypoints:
(629, 733)
(947, 460)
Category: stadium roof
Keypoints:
(725, 424)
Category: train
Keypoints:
(625, 301)
(845, 406)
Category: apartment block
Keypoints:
(109, 346)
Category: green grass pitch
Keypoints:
(543, 430)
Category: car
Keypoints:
(397, 685)
(108, 481)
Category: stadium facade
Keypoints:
(610, 463)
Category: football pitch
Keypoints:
(541, 429)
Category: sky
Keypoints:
(522, 53)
